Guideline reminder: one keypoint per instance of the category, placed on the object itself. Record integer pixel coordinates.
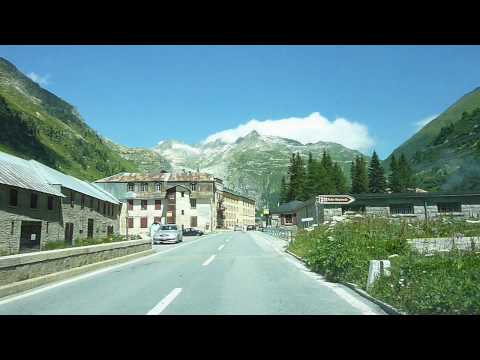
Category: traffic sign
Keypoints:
(335, 199)
(307, 219)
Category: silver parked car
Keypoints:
(168, 234)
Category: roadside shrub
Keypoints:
(445, 283)
(342, 252)
(55, 245)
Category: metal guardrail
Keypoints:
(280, 233)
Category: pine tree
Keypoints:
(301, 178)
(340, 180)
(360, 179)
(405, 174)
(291, 179)
(353, 172)
(283, 191)
(328, 181)
(376, 176)
(309, 190)
(394, 177)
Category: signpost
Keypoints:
(335, 199)
(323, 200)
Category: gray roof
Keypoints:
(55, 177)
(18, 172)
(291, 206)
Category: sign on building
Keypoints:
(335, 199)
(307, 219)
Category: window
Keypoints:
(193, 221)
(183, 194)
(13, 197)
(171, 196)
(12, 229)
(130, 222)
(449, 207)
(50, 203)
(46, 227)
(98, 205)
(91, 203)
(143, 222)
(288, 219)
(104, 208)
(183, 212)
(158, 219)
(144, 204)
(401, 209)
(194, 186)
(82, 201)
(72, 199)
(33, 200)
(130, 187)
(158, 204)
(193, 203)
(130, 204)
(158, 186)
(168, 227)
(144, 187)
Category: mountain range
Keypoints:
(36, 124)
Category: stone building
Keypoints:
(408, 206)
(39, 205)
(239, 209)
(188, 199)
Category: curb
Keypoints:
(29, 284)
(389, 309)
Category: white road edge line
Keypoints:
(162, 305)
(209, 260)
(221, 247)
(365, 309)
(87, 275)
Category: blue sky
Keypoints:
(139, 95)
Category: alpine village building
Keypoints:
(187, 199)
(40, 205)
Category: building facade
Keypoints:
(239, 209)
(408, 206)
(39, 205)
(188, 199)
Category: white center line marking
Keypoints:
(165, 302)
(221, 247)
(209, 260)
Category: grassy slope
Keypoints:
(427, 134)
(37, 124)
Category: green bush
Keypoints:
(446, 283)
(343, 252)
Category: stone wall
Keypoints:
(11, 218)
(79, 217)
(20, 267)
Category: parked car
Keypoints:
(250, 227)
(192, 232)
(168, 234)
(238, 228)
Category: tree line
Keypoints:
(324, 176)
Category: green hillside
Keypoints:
(36, 124)
(445, 154)
(427, 134)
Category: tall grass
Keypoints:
(443, 283)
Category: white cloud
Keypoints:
(421, 123)
(40, 80)
(310, 129)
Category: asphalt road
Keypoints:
(228, 273)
